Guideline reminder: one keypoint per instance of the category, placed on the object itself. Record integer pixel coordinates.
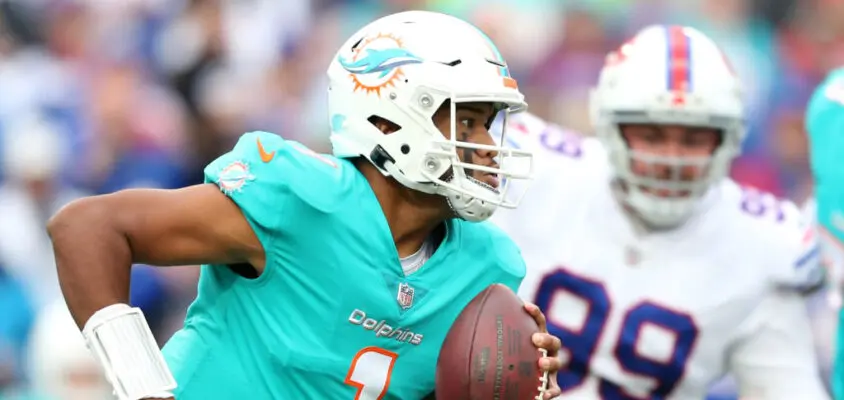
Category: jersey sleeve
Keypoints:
(775, 357)
(796, 252)
(516, 273)
(267, 176)
(509, 258)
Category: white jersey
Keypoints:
(662, 315)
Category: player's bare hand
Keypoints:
(544, 340)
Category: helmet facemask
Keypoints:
(474, 186)
(664, 190)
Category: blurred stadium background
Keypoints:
(102, 95)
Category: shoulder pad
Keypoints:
(777, 230)
(267, 176)
(529, 132)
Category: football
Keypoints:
(488, 352)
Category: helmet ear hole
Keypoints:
(384, 125)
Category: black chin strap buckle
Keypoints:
(379, 157)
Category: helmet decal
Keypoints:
(377, 63)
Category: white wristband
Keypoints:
(122, 342)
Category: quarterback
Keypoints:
(658, 273)
(825, 125)
(324, 277)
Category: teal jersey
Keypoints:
(825, 126)
(332, 316)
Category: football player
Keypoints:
(658, 272)
(324, 277)
(825, 126)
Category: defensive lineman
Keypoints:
(658, 273)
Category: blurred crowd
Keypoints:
(102, 95)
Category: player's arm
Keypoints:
(230, 220)
(97, 239)
(775, 358)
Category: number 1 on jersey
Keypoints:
(370, 372)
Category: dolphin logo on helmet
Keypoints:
(380, 60)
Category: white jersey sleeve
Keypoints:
(797, 249)
(783, 243)
(773, 355)
(776, 359)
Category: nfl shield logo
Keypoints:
(405, 296)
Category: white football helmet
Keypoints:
(402, 68)
(668, 75)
